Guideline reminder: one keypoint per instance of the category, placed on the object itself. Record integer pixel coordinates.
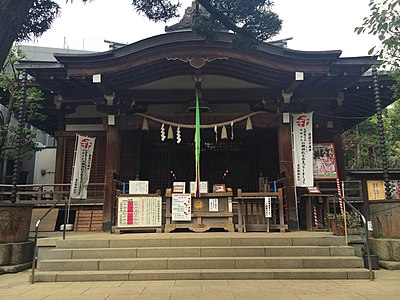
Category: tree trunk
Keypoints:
(12, 16)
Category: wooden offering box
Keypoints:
(211, 210)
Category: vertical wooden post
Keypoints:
(340, 158)
(281, 215)
(286, 165)
(60, 161)
(112, 167)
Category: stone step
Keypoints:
(201, 274)
(234, 251)
(188, 241)
(201, 263)
(201, 256)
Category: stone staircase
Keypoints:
(196, 256)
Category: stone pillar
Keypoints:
(286, 165)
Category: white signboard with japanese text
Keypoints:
(178, 187)
(139, 211)
(203, 187)
(181, 207)
(302, 139)
(213, 204)
(268, 208)
(138, 187)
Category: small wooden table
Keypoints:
(251, 214)
(309, 198)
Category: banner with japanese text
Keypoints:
(302, 141)
(83, 163)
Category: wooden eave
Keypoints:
(126, 70)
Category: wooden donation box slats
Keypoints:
(88, 220)
(211, 210)
(135, 212)
(256, 209)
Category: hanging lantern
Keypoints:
(170, 133)
(249, 126)
(224, 134)
(145, 125)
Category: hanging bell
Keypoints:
(145, 125)
(224, 134)
(249, 126)
(170, 133)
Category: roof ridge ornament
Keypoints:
(188, 18)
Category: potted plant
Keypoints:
(336, 222)
(374, 259)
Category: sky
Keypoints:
(313, 25)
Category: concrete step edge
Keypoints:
(203, 258)
(206, 274)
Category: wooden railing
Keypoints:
(352, 188)
(40, 192)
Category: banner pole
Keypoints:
(72, 175)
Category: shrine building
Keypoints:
(138, 101)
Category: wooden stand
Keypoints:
(202, 219)
(309, 198)
(251, 214)
(139, 213)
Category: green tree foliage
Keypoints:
(358, 141)
(10, 84)
(384, 22)
(24, 20)
(252, 21)
(39, 19)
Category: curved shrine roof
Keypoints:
(159, 70)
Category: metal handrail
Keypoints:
(371, 275)
(34, 260)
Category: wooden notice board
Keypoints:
(139, 211)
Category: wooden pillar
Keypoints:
(286, 165)
(60, 161)
(60, 153)
(340, 157)
(112, 167)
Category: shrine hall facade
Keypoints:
(138, 101)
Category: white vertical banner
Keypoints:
(302, 140)
(267, 207)
(83, 163)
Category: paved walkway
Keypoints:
(386, 286)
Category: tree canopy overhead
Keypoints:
(251, 20)
(24, 20)
(384, 22)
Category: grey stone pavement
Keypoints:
(385, 286)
